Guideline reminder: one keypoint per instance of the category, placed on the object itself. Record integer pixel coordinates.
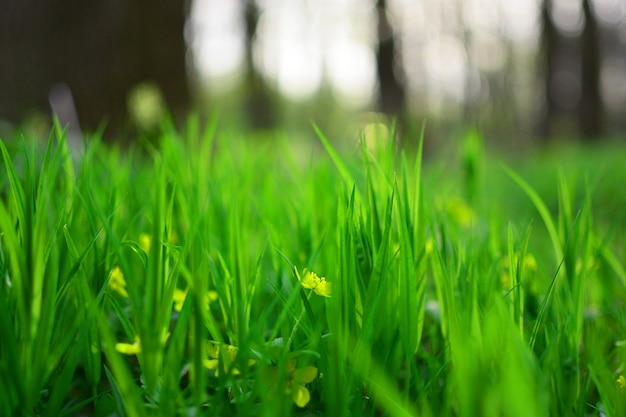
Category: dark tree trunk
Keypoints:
(549, 41)
(100, 49)
(260, 111)
(591, 111)
(391, 90)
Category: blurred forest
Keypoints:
(521, 70)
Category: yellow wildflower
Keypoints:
(180, 296)
(210, 296)
(313, 282)
(528, 264)
(227, 354)
(135, 347)
(129, 349)
(621, 382)
(295, 380)
(117, 282)
(429, 247)
(298, 377)
(462, 213)
(145, 242)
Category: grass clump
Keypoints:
(218, 276)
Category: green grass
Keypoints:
(170, 280)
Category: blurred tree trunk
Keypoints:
(100, 49)
(391, 90)
(549, 41)
(580, 57)
(260, 111)
(590, 109)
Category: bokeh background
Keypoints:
(521, 70)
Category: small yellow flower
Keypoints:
(180, 296)
(313, 282)
(129, 349)
(298, 377)
(145, 242)
(621, 382)
(462, 213)
(117, 282)
(210, 296)
(227, 358)
(295, 379)
(528, 264)
(429, 247)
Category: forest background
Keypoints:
(523, 71)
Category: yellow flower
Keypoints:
(429, 247)
(210, 296)
(129, 349)
(135, 347)
(296, 378)
(458, 209)
(294, 381)
(227, 358)
(529, 264)
(117, 282)
(180, 296)
(621, 382)
(313, 282)
(145, 242)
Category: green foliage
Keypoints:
(212, 275)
